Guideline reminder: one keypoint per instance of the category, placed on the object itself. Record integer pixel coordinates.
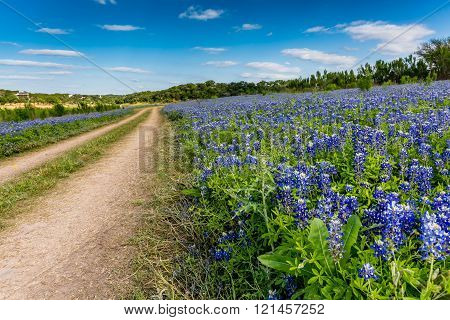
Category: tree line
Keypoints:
(431, 62)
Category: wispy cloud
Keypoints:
(248, 27)
(120, 27)
(9, 43)
(316, 29)
(22, 77)
(127, 69)
(319, 56)
(56, 73)
(104, 2)
(268, 76)
(50, 52)
(210, 50)
(394, 39)
(53, 31)
(221, 64)
(196, 13)
(27, 63)
(273, 67)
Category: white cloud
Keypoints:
(248, 27)
(127, 69)
(395, 39)
(56, 73)
(27, 63)
(106, 1)
(269, 34)
(53, 31)
(211, 50)
(273, 67)
(9, 43)
(319, 56)
(49, 52)
(268, 76)
(21, 77)
(197, 13)
(221, 64)
(316, 29)
(120, 27)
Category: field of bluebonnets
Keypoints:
(19, 136)
(335, 195)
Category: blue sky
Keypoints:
(62, 46)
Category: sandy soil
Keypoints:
(17, 165)
(73, 242)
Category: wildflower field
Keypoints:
(334, 195)
(19, 136)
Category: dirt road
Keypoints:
(15, 166)
(73, 243)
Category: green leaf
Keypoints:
(351, 230)
(191, 192)
(318, 235)
(275, 261)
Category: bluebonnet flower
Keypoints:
(435, 239)
(425, 150)
(367, 272)
(386, 171)
(222, 254)
(289, 285)
(252, 160)
(394, 221)
(273, 295)
(420, 176)
(405, 186)
(335, 242)
(403, 160)
(360, 159)
(349, 188)
(301, 213)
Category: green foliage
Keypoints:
(365, 83)
(58, 109)
(351, 230)
(436, 53)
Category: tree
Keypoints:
(436, 53)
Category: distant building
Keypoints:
(23, 94)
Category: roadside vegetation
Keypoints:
(17, 137)
(30, 112)
(14, 195)
(166, 229)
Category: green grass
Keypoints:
(15, 194)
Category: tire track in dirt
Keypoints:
(73, 242)
(15, 166)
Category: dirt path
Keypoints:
(15, 166)
(73, 243)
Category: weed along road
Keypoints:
(12, 168)
(73, 242)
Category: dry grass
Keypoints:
(166, 228)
